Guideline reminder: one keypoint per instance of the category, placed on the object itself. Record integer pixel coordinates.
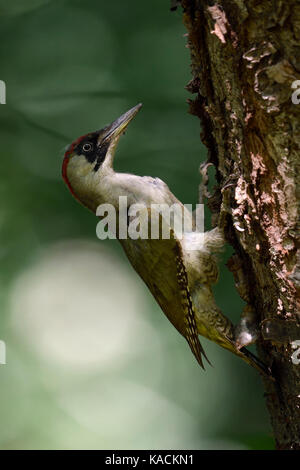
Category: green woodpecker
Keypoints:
(178, 275)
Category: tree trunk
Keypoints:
(245, 58)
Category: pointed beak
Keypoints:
(117, 127)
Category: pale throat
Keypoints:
(91, 187)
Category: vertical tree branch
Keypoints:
(245, 57)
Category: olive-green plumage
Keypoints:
(178, 272)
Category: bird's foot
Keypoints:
(246, 331)
(203, 186)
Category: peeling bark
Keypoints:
(245, 57)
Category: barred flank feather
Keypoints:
(214, 240)
(191, 333)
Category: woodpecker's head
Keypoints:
(90, 158)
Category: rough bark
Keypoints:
(245, 56)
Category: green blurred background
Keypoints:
(92, 362)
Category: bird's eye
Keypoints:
(88, 147)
